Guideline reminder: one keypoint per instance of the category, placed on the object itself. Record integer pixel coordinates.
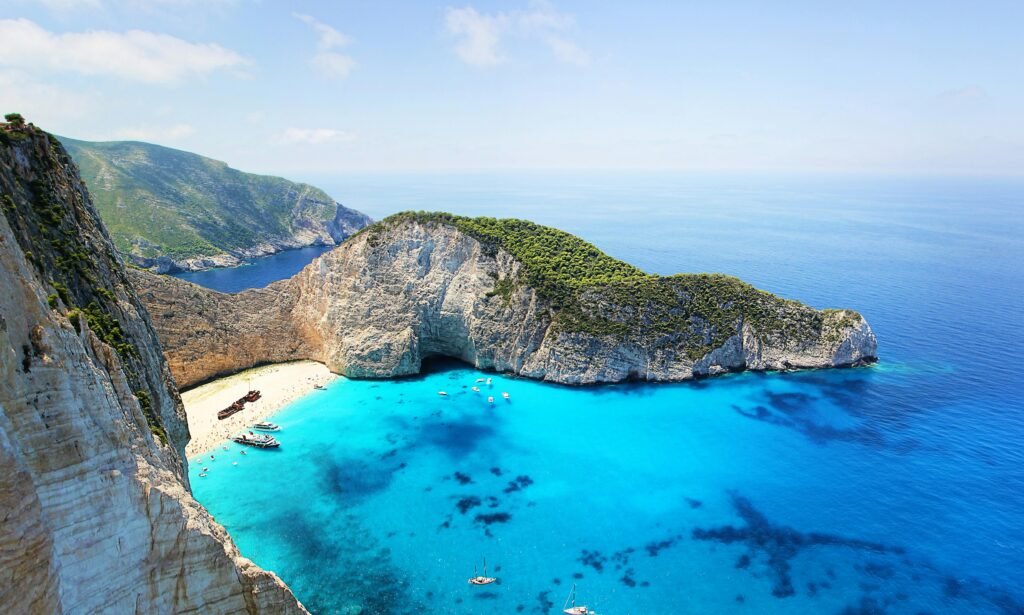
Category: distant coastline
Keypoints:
(254, 273)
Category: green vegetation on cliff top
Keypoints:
(594, 293)
(62, 241)
(158, 201)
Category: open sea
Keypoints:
(896, 488)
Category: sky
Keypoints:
(347, 86)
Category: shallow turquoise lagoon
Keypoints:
(897, 488)
(750, 493)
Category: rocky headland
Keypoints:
(169, 210)
(97, 511)
(504, 295)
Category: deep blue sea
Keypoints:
(897, 488)
(256, 273)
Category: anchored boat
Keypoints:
(481, 579)
(257, 440)
(266, 426)
(570, 608)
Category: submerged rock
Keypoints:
(503, 295)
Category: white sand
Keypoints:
(280, 385)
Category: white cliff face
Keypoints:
(98, 517)
(381, 303)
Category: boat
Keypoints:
(266, 426)
(479, 379)
(488, 382)
(232, 409)
(257, 440)
(476, 389)
(442, 393)
(202, 475)
(483, 579)
(570, 608)
(505, 395)
(318, 387)
(490, 400)
(239, 404)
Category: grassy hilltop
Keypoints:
(157, 201)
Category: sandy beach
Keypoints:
(279, 384)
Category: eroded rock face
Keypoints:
(98, 516)
(381, 303)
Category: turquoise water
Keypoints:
(895, 488)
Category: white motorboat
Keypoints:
(257, 440)
(442, 393)
(506, 395)
(266, 426)
(475, 389)
(490, 400)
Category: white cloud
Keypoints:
(135, 55)
(332, 64)
(965, 94)
(63, 6)
(162, 133)
(328, 37)
(68, 5)
(315, 136)
(567, 51)
(480, 35)
(44, 104)
(329, 62)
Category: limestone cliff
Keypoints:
(505, 295)
(97, 512)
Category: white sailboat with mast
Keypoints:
(570, 608)
(483, 579)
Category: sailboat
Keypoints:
(570, 608)
(481, 580)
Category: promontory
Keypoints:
(499, 294)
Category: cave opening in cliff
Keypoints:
(440, 363)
